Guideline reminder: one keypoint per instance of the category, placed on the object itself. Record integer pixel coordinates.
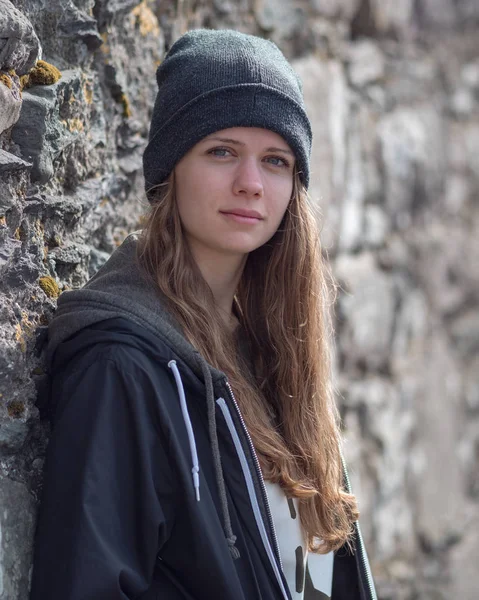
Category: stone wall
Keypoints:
(393, 93)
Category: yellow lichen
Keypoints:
(73, 125)
(24, 330)
(27, 324)
(56, 240)
(126, 106)
(20, 337)
(122, 99)
(145, 19)
(42, 73)
(76, 125)
(49, 286)
(105, 47)
(6, 80)
(16, 235)
(3, 221)
(88, 92)
(39, 228)
(22, 232)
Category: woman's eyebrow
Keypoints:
(273, 149)
(224, 140)
(238, 143)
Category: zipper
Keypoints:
(364, 564)
(260, 477)
(360, 549)
(253, 495)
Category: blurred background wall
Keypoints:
(392, 88)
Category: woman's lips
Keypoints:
(242, 215)
(241, 218)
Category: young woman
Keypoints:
(195, 451)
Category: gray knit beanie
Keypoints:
(216, 79)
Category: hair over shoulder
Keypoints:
(283, 302)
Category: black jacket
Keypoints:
(120, 516)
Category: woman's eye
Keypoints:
(277, 161)
(219, 152)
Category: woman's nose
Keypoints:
(248, 181)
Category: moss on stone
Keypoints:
(73, 125)
(122, 99)
(24, 79)
(16, 408)
(42, 73)
(49, 286)
(126, 106)
(145, 19)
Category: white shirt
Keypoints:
(304, 572)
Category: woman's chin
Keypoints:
(239, 246)
(240, 249)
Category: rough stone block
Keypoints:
(367, 311)
(75, 23)
(19, 44)
(10, 162)
(17, 523)
(328, 104)
(366, 63)
(413, 152)
(334, 9)
(40, 132)
(10, 103)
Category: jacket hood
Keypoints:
(120, 289)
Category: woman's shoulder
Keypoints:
(126, 344)
(113, 364)
(122, 349)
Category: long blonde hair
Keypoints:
(282, 304)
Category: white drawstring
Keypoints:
(195, 471)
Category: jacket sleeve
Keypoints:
(108, 490)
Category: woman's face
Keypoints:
(233, 188)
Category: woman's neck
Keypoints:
(222, 273)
